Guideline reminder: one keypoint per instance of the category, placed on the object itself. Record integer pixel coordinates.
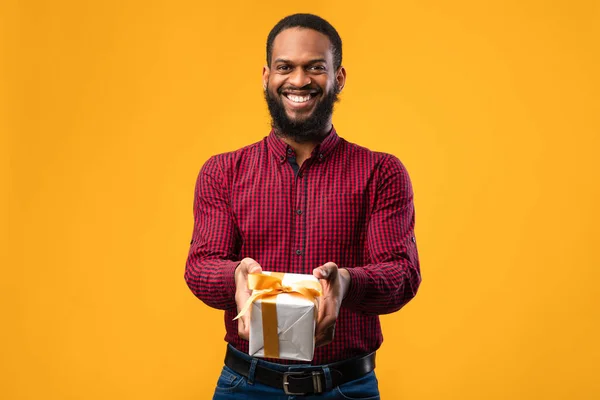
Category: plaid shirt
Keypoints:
(345, 204)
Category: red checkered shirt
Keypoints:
(345, 204)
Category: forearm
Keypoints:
(391, 276)
(212, 280)
(382, 288)
(213, 255)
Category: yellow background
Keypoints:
(109, 109)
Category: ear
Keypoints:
(340, 77)
(266, 72)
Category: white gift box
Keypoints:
(296, 321)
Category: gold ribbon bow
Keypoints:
(266, 288)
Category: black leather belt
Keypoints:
(309, 381)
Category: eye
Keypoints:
(317, 68)
(283, 68)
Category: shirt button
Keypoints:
(414, 240)
(281, 158)
(299, 212)
(321, 156)
(299, 252)
(289, 151)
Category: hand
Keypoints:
(242, 293)
(335, 282)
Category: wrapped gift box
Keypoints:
(295, 320)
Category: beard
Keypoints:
(312, 128)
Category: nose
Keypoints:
(299, 78)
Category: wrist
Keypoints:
(344, 281)
(237, 272)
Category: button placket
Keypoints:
(299, 234)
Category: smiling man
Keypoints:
(304, 200)
(302, 82)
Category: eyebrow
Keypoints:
(314, 61)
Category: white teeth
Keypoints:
(298, 99)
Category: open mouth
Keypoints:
(300, 99)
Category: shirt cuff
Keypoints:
(358, 285)
(228, 277)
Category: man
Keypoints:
(304, 200)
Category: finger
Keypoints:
(252, 267)
(244, 327)
(327, 322)
(325, 337)
(326, 271)
(320, 273)
(255, 269)
(241, 328)
(325, 318)
(325, 307)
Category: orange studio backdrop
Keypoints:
(110, 108)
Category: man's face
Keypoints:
(301, 84)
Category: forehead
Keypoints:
(301, 44)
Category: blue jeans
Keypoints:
(232, 385)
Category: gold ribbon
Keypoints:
(266, 288)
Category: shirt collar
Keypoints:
(280, 149)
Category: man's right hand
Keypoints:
(242, 293)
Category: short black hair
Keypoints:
(308, 21)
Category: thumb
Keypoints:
(322, 272)
(255, 269)
(326, 271)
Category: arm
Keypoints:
(212, 271)
(212, 259)
(392, 277)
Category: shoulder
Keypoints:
(382, 161)
(224, 163)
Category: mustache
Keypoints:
(314, 89)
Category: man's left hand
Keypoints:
(335, 282)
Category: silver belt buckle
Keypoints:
(317, 387)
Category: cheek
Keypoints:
(274, 82)
(330, 86)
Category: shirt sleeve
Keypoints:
(392, 277)
(212, 259)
